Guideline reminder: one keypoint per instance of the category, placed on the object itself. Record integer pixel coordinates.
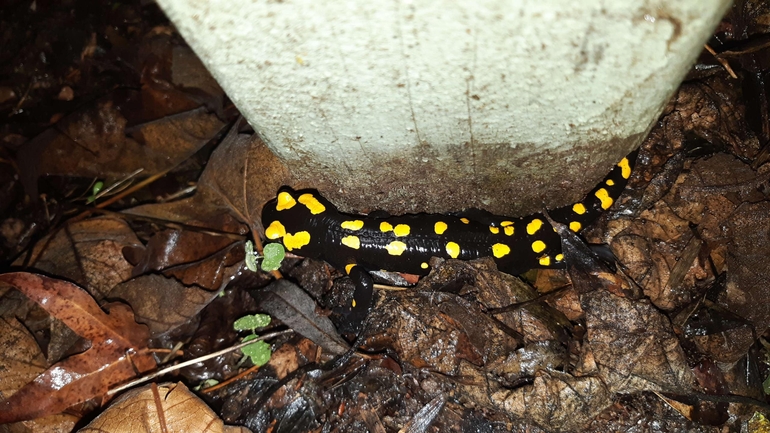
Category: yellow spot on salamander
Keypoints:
(385, 227)
(508, 230)
(401, 230)
(465, 220)
(284, 201)
(579, 208)
(494, 230)
(353, 304)
(313, 205)
(424, 265)
(296, 241)
(538, 246)
(500, 250)
(349, 267)
(351, 241)
(544, 261)
(275, 230)
(440, 227)
(604, 196)
(625, 168)
(610, 182)
(453, 249)
(352, 225)
(395, 248)
(559, 257)
(575, 226)
(506, 223)
(534, 226)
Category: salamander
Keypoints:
(308, 225)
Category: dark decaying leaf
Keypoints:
(748, 277)
(118, 349)
(631, 342)
(629, 347)
(557, 400)
(292, 306)
(94, 142)
(437, 330)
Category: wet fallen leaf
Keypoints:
(117, 352)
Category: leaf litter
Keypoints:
(666, 335)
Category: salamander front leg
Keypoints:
(358, 309)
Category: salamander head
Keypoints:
(293, 218)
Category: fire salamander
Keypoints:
(310, 226)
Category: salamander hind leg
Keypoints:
(356, 311)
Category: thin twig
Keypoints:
(231, 380)
(193, 361)
(120, 182)
(722, 61)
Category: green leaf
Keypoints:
(274, 254)
(251, 256)
(259, 352)
(251, 322)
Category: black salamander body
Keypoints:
(310, 226)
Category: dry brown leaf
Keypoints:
(60, 423)
(20, 357)
(138, 410)
(117, 352)
(232, 172)
(88, 252)
(242, 174)
(162, 303)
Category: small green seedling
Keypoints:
(259, 352)
(251, 322)
(95, 191)
(273, 256)
(251, 256)
(208, 383)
